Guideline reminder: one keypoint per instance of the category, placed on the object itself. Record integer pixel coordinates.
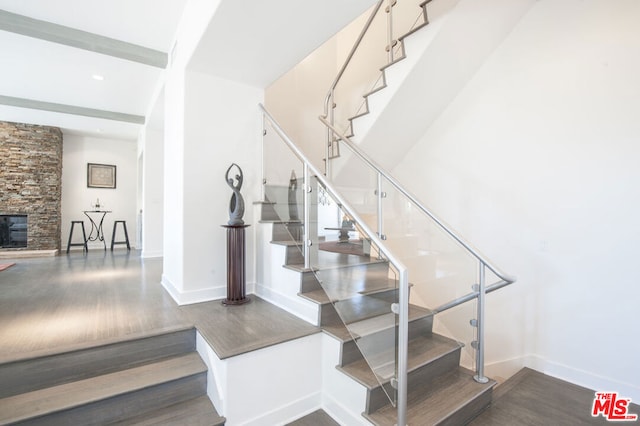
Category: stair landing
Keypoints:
(232, 331)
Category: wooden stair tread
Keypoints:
(358, 278)
(91, 344)
(423, 350)
(372, 325)
(382, 322)
(54, 369)
(194, 412)
(288, 243)
(329, 260)
(358, 289)
(61, 397)
(448, 394)
(365, 306)
(280, 221)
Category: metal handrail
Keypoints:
(350, 56)
(364, 157)
(403, 273)
(469, 296)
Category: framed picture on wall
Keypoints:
(101, 175)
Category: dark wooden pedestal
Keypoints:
(236, 281)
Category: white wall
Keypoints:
(194, 21)
(222, 126)
(152, 194)
(535, 162)
(210, 123)
(77, 197)
(298, 97)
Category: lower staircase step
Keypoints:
(451, 399)
(110, 397)
(56, 368)
(420, 318)
(423, 351)
(195, 412)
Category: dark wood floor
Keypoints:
(54, 303)
(51, 304)
(529, 398)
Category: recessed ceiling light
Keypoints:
(97, 77)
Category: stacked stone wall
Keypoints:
(31, 180)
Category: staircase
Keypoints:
(380, 304)
(151, 380)
(348, 103)
(435, 58)
(354, 295)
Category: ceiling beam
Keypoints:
(71, 109)
(55, 33)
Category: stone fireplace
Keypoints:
(13, 231)
(30, 187)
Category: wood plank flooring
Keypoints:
(317, 418)
(71, 301)
(64, 301)
(53, 303)
(235, 330)
(530, 398)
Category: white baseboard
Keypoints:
(289, 412)
(297, 306)
(506, 368)
(150, 254)
(590, 380)
(197, 296)
(340, 414)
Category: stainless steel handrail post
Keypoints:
(403, 275)
(307, 216)
(414, 200)
(262, 168)
(403, 346)
(390, 29)
(480, 377)
(379, 200)
(329, 147)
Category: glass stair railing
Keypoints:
(359, 284)
(359, 239)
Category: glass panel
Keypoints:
(440, 269)
(356, 183)
(283, 189)
(454, 323)
(361, 287)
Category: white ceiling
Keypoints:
(40, 70)
(256, 41)
(251, 41)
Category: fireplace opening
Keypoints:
(13, 230)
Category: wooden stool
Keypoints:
(84, 236)
(126, 234)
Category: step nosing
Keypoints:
(65, 396)
(98, 344)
